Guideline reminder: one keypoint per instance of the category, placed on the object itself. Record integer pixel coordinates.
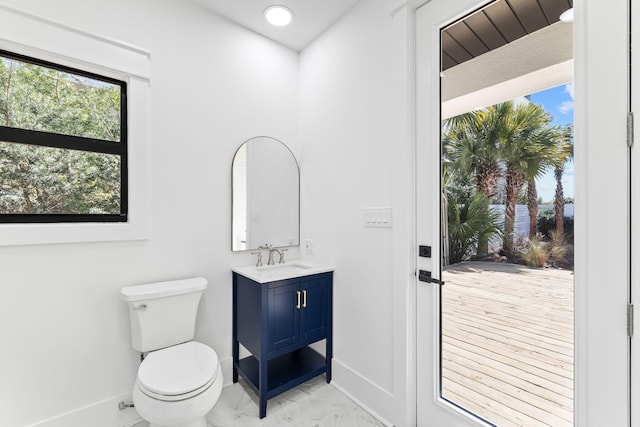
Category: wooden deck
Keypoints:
(507, 343)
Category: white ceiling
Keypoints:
(310, 17)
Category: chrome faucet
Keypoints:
(259, 253)
(281, 253)
(271, 251)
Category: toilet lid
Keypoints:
(179, 369)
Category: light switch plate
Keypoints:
(377, 217)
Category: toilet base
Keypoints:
(184, 413)
(200, 422)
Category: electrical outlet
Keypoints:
(308, 246)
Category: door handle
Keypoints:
(298, 304)
(304, 298)
(425, 276)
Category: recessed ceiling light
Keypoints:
(567, 15)
(278, 15)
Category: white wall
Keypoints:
(64, 331)
(352, 157)
(215, 85)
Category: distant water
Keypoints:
(521, 226)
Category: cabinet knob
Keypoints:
(304, 298)
(298, 304)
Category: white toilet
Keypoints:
(179, 380)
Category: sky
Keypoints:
(558, 102)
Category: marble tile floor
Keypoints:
(312, 404)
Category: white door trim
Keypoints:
(634, 378)
(429, 20)
(601, 248)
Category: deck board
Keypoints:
(508, 343)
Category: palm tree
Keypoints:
(527, 149)
(471, 149)
(563, 155)
(471, 142)
(532, 207)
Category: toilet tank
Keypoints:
(163, 314)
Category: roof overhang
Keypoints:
(538, 61)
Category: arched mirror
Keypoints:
(266, 195)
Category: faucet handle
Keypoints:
(281, 253)
(259, 253)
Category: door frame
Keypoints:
(634, 99)
(601, 344)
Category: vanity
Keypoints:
(278, 311)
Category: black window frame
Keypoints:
(72, 142)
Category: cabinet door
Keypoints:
(313, 314)
(284, 318)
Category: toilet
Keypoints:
(180, 380)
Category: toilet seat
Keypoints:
(179, 372)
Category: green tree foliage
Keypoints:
(564, 155)
(45, 180)
(527, 148)
(502, 149)
(547, 224)
(471, 142)
(471, 224)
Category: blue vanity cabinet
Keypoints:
(284, 315)
(276, 322)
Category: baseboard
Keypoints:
(104, 413)
(351, 383)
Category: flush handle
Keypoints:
(141, 307)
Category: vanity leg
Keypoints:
(263, 387)
(236, 352)
(329, 357)
(329, 340)
(235, 345)
(263, 407)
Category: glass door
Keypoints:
(505, 340)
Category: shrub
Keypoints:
(547, 223)
(534, 254)
(471, 224)
(558, 249)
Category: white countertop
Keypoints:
(288, 270)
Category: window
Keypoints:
(63, 143)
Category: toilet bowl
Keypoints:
(178, 386)
(179, 380)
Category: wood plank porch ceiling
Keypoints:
(496, 25)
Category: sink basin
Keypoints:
(293, 267)
(289, 270)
